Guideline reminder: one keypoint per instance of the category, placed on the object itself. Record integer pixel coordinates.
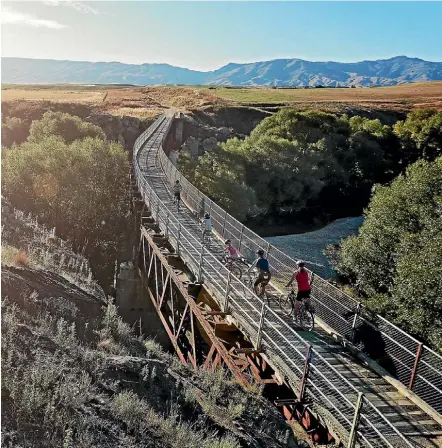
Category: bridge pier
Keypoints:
(179, 127)
(134, 309)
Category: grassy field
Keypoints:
(145, 102)
(416, 94)
(58, 95)
(142, 102)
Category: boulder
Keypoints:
(192, 145)
(209, 144)
(173, 156)
(224, 131)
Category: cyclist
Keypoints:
(230, 250)
(264, 274)
(304, 286)
(207, 225)
(177, 191)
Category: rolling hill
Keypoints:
(279, 72)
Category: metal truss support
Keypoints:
(155, 282)
(178, 311)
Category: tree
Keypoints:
(395, 260)
(78, 187)
(370, 158)
(418, 294)
(297, 161)
(420, 135)
(14, 131)
(289, 157)
(221, 177)
(68, 127)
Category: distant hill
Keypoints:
(279, 72)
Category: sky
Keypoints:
(207, 35)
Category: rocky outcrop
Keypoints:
(192, 146)
(242, 119)
(201, 138)
(209, 144)
(122, 129)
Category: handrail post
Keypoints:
(202, 205)
(200, 267)
(267, 250)
(308, 357)
(158, 213)
(416, 365)
(356, 418)
(240, 238)
(224, 223)
(179, 239)
(167, 226)
(355, 318)
(261, 326)
(226, 297)
(149, 199)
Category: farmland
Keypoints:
(145, 102)
(141, 102)
(415, 95)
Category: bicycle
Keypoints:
(207, 237)
(306, 314)
(176, 201)
(232, 266)
(249, 281)
(249, 278)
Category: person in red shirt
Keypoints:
(304, 286)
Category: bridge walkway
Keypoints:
(335, 378)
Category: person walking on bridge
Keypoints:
(304, 286)
(207, 222)
(177, 191)
(264, 274)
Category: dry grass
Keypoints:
(21, 258)
(141, 102)
(147, 102)
(59, 96)
(411, 95)
(11, 256)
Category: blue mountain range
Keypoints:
(279, 72)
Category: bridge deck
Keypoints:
(335, 376)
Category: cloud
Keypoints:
(82, 7)
(10, 16)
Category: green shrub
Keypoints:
(395, 260)
(420, 135)
(294, 160)
(72, 179)
(66, 126)
(14, 132)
